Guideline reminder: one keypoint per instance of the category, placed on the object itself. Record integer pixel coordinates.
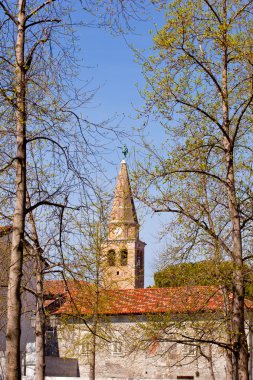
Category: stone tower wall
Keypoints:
(123, 239)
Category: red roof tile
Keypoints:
(79, 299)
(61, 287)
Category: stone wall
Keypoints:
(125, 354)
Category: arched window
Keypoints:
(123, 257)
(111, 256)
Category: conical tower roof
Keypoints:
(123, 209)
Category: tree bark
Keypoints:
(40, 315)
(40, 323)
(210, 363)
(93, 358)
(13, 367)
(239, 340)
(229, 367)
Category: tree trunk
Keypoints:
(13, 368)
(40, 324)
(229, 367)
(210, 363)
(40, 315)
(93, 358)
(239, 341)
(96, 304)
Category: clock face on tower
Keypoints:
(117, 231)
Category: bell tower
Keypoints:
(123, 253)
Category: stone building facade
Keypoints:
(142, 333)
(126, 356)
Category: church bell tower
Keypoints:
(123, 253)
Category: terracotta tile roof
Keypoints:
(79, 299)
(62, 287)
(54, 287)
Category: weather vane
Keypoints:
(124, 150)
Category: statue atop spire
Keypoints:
(124, 150)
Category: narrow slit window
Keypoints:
(138, 260)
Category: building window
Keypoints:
(188, 350)
(123, 257)
(111, 258)
(85, 348)
(51, 343)
(139, 260)
(117, 348)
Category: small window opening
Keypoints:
(139, 260)
(117, 348)
(188, 350)
(85, 348)
(117, 272)
(111, 258)
(123, 257)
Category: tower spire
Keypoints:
(123, 251)
(123, 209)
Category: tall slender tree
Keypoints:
(199, 83)
(82, 272)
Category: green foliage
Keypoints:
(199, 273)
(202, 273)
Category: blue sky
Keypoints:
(110, 64)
